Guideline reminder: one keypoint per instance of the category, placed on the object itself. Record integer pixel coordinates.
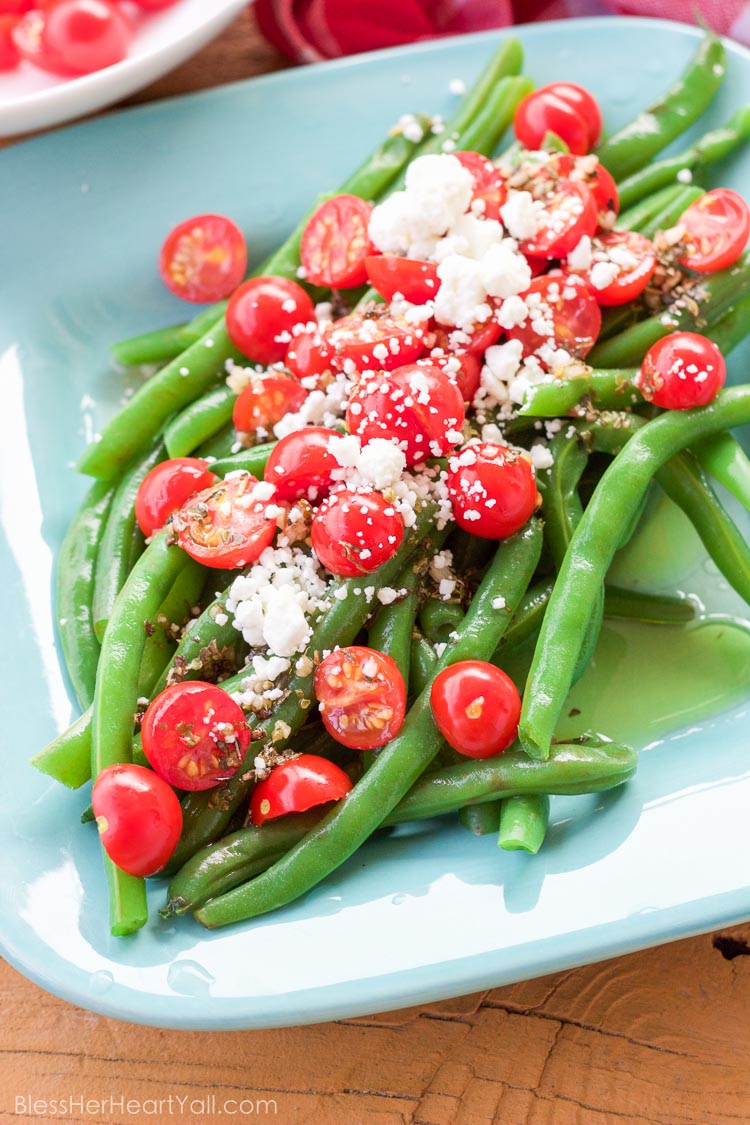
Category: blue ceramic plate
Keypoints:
(431, 912)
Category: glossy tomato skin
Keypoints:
(377, 342)
(265, 401)
(475, 342)
(681, 371)
(9, 55)
(301, 464)
(138, 816)
(335, 243)
(16, 7)
(166, 487)
(224, 526)
(490, 191)
(203, 258)
(262, 314)
(309, 356)
(717, 227)
(570, 212)
(462, 368)
(588, 170)
(568, 305)
(296, 785)
(418, 406)
(492, 490)
(415, 280)
(356, 532)
(476, 708)
(583, 103)
(81, 36)
(155, 5)
(194, 735)
(544, 111)
(361, 695)
(632, 279)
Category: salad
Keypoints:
(347, 548)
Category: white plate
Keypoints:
(30, 98)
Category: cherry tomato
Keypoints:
(74, 36)
(476, 342)
(297, 785)
(301, 464)
(463, 368)
(335, 243)
(635, 255)
(362, 697)
(309, 355)
(16, 7)
(417, 406)
(570, 212)
(356, 532)
(584, 104)
(375, 341)
(203, 258)
(681, 371)
(587, 170)
(166, 488)
(415, 280)
(195, 735)
(225, 526)
(154, 5)
(542, 112)
(8, 50)
(476, 708)
(717, 227)
(138, 816)
(265, 401)
(262, 313)
(489, 185)
(537, 265)
(492, 489)
(562, 314)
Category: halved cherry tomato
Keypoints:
(195, 735)
(265, 401)
(356, 532)
(297, 785)
(361, 696)
(309, 355)
(543, 112)
(682, 370)
(463, 368)
(166, 488)
(634, 255)
(203, 259)
(416, 406)
(262, 314)
(562, 314)
(375, 341)
(476, 708)
(225, 526)
(301, 464)
(717, 227)
(74, 36)
(138, 816)
(489, 185)
(416, 281)
(8, 50)
(335, 243)
(569, 213)
(589, 171)
(457, 341)
(492, 489)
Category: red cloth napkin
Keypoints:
(312, 30)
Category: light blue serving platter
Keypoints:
(422, 915)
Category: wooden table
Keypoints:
(657, 1037)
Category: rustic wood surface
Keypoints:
(657, 1037)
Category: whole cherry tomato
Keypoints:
(355, 532)
(682, 370)
(138, 816)
(492, 489)
(262, 314)
(476, 708)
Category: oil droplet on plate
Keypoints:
(189, 978)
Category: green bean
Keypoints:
(581, 767)
(398, 765)
(68, 757)
(157, 346)
(199, 421)
(174, 612)
(608, 390)
(480, 820)
(635, 145)
(205, 816)
(485, 132)
(422, 663)
(122, 542)
(221, 446)
(597, 537)
(114, 700)
(506, 60)
(526, 621)
(438, 620)
(710, 148)
(671, 213)
(723, 458)
(715, 296)
(251, 460)
(76, 567)
(207, 647)
(391, 629)
(633, 218)
(652, 609)
(523, 823)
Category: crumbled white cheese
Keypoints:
(579, 257)
(521, 214)
(438, 191)
(381, 463)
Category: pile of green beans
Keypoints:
(135, 617)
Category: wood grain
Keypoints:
(660, 1038)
